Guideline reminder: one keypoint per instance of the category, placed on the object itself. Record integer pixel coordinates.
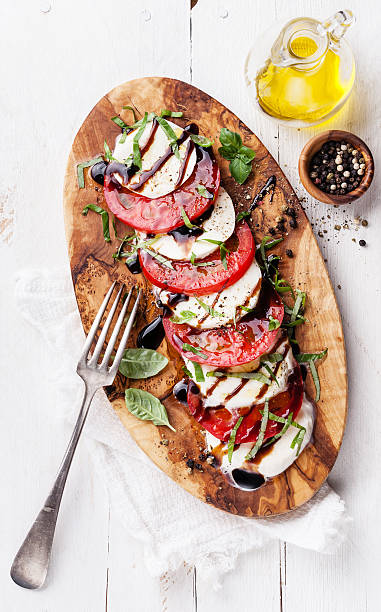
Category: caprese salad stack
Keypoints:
(220, 312)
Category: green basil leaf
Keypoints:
(269, 370)
(202, 264)
(187, 372)
(167, 113)
(247, 155)
(108, 153)
(209, 309)
(272, 243)
(192, 259)
(247, 309)
(141, 363)
(146, 407)
(223, 252)
(80, 167)
(298, 440)
(307, 357)
(204, 192)
(247, 375)
(229, 138)
(193, 349)
(131, 108)
(186, 219)
(299, 304)
(228, 153)
(201, 141)
(119, 122)
(104, 216)
(242, 215)
(135, 144)
(160, 258)
(272, 357)
(199, 374)
(261, 436)
(185, 315)
(273, 323)
(239, 170)
(170, 135)
(232, 437)
(315, 378)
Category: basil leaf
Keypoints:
(219, 242)
(167, 113)
(108, 153)
(122, 140)
(247, 155)
(229, 138)
(315, 378)
(272, 243)
(80, 167)
(223, 252)
(193, 349)
(299, 304)
(294, 323)
(239, 170)
(298, 440)
(273, 323)
(203, 264)
(141, 363)
(135, 144)
(185, 315)
(307, 357)
(228, 152)
(104, 216)
(242, 215)
(187, 372)
(192, 259)
(209, 309)
(247, 309)
(146, 407)
(232, 437)
(119, 122)
(204, 192)
(186, 219)
(131, 108)
(201, 141)
(269, 370)
(247, 375)
(272, 357)
(285, 427)
(199, 374)
(170, 135)
(261, 436)
(160, 258)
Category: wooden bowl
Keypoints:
(313, 147)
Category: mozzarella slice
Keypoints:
(227, 392)
(219, 226)
(164, 179)
(276, 460)
(225, 305)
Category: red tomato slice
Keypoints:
(160, 215)
(198, 280)
(220, 421)
(229, 346)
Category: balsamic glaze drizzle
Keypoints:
(247, 480)
(270, 184)
(180, 391)
(152, 335)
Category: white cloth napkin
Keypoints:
(173, 525)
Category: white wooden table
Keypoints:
(54, 66)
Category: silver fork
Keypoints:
(30, 566)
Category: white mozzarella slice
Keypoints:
(277, 460)
(164, 179)
(219, 226)
(225, 305)
(224, 389)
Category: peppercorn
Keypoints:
(362, 243)
(289, 253)
(337, 168)
(293, 223)
(190, 463)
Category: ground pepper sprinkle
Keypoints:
(337, 168)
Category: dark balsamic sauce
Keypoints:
(180, 391)
(270, 184)
(97, 172)
(133, 264)
(119, 168)
(182, 233)
(247, 480)
(152, 335)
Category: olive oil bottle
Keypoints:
(310, 71)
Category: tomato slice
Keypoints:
(230, 346)
(202, 280)
(160, 215)
(220, 421)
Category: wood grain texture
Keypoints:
(93, 269)
(314, 145)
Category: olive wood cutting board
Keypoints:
(93, 269)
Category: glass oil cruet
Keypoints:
(310, 71)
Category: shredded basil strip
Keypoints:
(242, 215)
(232, 437)
(307, 357)
(187, 372)
(135, 145)
(199, 374)
(204, 192)
(273, 323)
(300, 434)
(261, 436)
(298, 440)
(315, 378)
(167, 113)
(185, 315)
(170, 135)
(249, 375)
(119, 122)
(192, 259)
(193, 349)
(80, 167)
(209, 309)
(186, 219)
(163, 260)
(131, 108)
(104, 216)
(201, 141)
(269, 370)
(272, 357)
(108, 153)
(272, 243)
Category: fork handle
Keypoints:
(31, 563)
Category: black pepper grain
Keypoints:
(289, 253)
(362, 243)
